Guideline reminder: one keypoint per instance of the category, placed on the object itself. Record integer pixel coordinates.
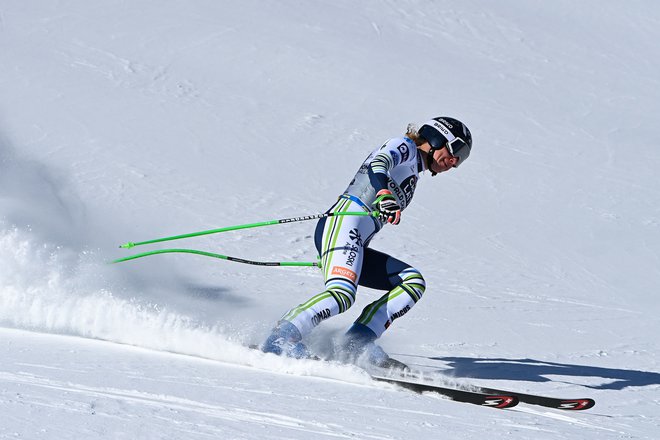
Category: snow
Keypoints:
(127, 121)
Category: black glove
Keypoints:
(388, 209)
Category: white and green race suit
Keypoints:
(343, 245)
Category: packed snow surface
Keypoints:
(128, 121)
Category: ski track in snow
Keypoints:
(164, 402)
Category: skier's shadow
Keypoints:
(537, 371)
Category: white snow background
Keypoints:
(126, 121)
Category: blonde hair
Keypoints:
(412, 132)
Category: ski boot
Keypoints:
(359, 345)
(285, 339)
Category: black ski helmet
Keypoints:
(447, 132)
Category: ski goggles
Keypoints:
(459, 149)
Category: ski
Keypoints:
(494, 400)
(476, 393)
(549, 402)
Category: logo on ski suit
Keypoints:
(354, 235)
(320, 316)
(351, 249)
(344, 272)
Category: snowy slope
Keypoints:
(126, 121)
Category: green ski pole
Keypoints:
(222, 257)
(247, 226)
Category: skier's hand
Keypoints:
(388, 209)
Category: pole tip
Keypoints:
(127, 245)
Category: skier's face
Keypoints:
(443, 161)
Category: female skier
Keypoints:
(384, 183)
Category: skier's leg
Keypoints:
(340, 240)
(405, 287)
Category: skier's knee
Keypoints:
(413, 283)
(343, 294)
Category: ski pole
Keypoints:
(222, 257)
(249, 225)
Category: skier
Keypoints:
(385, 182)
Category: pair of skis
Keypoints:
(477, 396)
(489, 396)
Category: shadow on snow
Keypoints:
(536, 371)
